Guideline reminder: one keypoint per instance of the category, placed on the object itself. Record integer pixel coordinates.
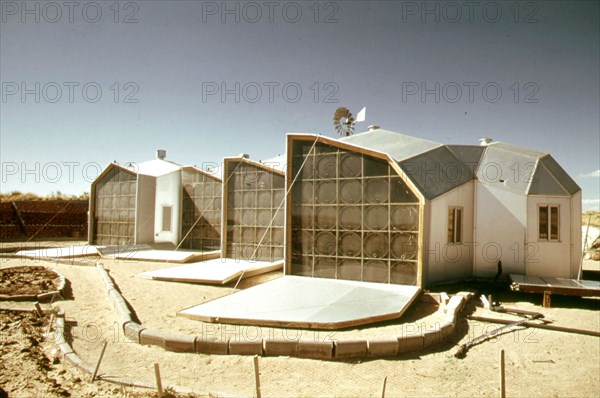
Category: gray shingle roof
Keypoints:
(436, 168)
(523, 171)
(398, 146)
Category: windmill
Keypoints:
(343, 121)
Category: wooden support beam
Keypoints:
(19, 218)
(536, 325)
(547, 294)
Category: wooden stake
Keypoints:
(502, 379)
(158, 381)
(38, 309)
(99, 360)
(257, 376)
(579, 271)
(383, 390)
(50, 323)
(546, 300)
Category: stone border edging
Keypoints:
(67, 351)
(340, 349)
(37, 297)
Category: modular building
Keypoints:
(390, 208)
(157, 203)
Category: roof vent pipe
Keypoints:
(485, 141)
(374, 127)
(161, 154)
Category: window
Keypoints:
(454, 225)
(548, 222)
(166, 219)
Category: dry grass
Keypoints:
(17, 195)
(594, 220)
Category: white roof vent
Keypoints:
(484, 141)
(374, 127)
(161, 154)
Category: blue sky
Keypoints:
(91, 82)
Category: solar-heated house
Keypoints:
(373, 217)
(252, 236)
(390, 208)
(157, 202)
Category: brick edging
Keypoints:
(340, 349)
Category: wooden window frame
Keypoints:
(546, 225)
(170, 218)
(455, 225)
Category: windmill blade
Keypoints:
(343, 121)
(362, 115)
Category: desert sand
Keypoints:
(539, 363)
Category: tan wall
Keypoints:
(144, 223)
(500, 226)
(549, 258)
(448, 261)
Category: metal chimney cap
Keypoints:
(374, 127)
(161, 154)
(484, 141)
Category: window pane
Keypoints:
(166, 219)
(458, 235)
(554, 223)
(450, 225)
(543, 222)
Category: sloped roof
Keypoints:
(431, 166)
(156, 167)
(436, 171)
(276, 162)
(470, 155)
(435, 168)
(200, 171)
(398, 146)
(523, 171)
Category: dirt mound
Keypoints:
(28, 280)
(21, 351)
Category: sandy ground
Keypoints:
(539, 363)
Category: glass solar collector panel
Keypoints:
(353, 217)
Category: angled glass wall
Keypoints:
(353, 217)
(201, 211)
(114, 211)
(255, 212)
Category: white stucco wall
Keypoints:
(144, 216)
(448, 261)
(500, 227)
(549, 258)
(168, 193)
